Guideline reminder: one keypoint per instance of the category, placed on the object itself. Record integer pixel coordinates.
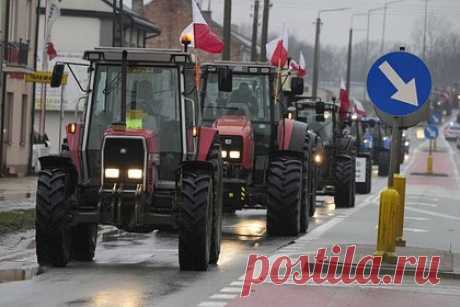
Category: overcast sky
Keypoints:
(299, 15)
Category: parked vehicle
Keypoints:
(452, 131)
(267, 158)
(141, 160)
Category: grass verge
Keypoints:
(16, 220)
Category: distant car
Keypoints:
(452, 131)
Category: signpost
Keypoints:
(434, 119)
(399, 85)
(431, 133)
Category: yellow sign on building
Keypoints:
(43, 77)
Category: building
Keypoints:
(173, 16)
(83, 25)
(18, 30)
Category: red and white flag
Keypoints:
(299, 68)
(277, 50)
(53, 11)
(200, 34)
(358, 108)
(345, 104)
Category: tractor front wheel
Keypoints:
(52, 229)
(285, 191)
(195, 221)
(84, 238)
(345, 182)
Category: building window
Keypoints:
(9, 118)
(24, 110)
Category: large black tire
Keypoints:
(84, 238)
(214, 157)
(305, 202)
(345, 182)
(52, 230)
(365, 187)
(384, 163)
(195, 221)
(284, 190)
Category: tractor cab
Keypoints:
(140, 160)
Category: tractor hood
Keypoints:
(233, 125)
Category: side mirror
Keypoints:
(225, 79)
(56, 77)
(320, 108)
(320, 118)
(297, 86)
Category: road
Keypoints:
(142, 269)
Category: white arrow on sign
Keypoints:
(405, 92)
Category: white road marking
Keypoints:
(236, 283)
(223, 296)
(414, 229)
(230, 290)
(415, 204)
(450, 217)
(414, 218)
(212, 304)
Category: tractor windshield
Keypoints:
(323, 128)
(152, 101)
(250, 97)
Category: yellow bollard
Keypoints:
(386, 236)
(429, 164)
(399, 184)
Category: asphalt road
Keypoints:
(142, 269)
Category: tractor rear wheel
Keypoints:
(284, 189)
(195, 221)
(215, 159)
(84, 238)
(384, 163)
(52, 229)
(345, 182)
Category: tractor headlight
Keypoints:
(406, 143)
(224, 154)
(234, 154)
(290, 115)
(354, 117)
(318, 158)
(112, 173)
(366, 141)
(134, 173)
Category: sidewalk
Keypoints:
(17, 193)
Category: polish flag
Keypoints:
(345, 104)
(358, 108)
(277, 50)
(299, 68)
(200, 35)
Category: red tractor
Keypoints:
(267, 157)
(140, 161)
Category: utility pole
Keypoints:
(264, 38)
(255, 27)
(314, 89)
(350, 46)
(227, 29)
(425, 29)
(382, 43)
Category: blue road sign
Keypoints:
(399, 83)
(431, 132)
(434, 119)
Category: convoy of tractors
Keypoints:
(167, 144)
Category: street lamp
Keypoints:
(385, 9)
(314, 91)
